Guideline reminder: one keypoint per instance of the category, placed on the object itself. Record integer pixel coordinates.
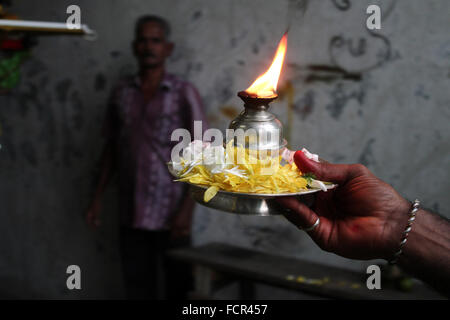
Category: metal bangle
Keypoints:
(412, 217)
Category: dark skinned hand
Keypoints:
(363, 218)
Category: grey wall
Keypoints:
(386, 105)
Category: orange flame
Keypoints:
(266, 85)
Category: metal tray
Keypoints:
(261, 204)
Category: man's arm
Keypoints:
(365, 218)
(182, 221)
(426, 253)
(107, 160)
(107, 167)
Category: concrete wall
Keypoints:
(385, 103)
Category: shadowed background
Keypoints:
(379, 98)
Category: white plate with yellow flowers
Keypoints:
(223, 174)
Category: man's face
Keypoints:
(151, 46)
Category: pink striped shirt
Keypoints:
(141, 132)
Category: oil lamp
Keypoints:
(266, 135)
(267, 129)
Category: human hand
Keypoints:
(180, 233)
(363, 218)
(93, 213)
(181, 228)
(181, 223)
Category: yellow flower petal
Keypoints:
(210, 193)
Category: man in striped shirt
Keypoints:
(155, 212)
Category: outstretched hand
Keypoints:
(363, 218)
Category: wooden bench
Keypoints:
(217, 263)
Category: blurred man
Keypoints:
(155, 212)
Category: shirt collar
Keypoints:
(166, 82)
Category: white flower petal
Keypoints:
(310, 155)
(318, 184)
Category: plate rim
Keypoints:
(263, 195)
(254, 195)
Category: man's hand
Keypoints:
(93, 213)
(182, 221)
(363, 218)
(181, 228)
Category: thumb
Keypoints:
(337, 173)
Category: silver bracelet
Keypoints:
(412, 217)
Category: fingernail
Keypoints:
(303, 163)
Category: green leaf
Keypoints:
(309, 176)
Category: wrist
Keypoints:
(419, 245)
(427, 252)
(405, 231)
(396, 224)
